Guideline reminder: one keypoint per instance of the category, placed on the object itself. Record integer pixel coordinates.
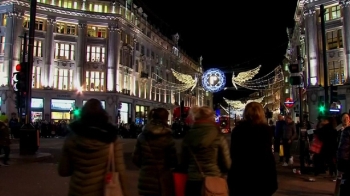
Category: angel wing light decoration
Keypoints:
(186, 79)
(244, 76)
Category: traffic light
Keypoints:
(321, 108)
(19, 78)
(76, 112)
(334, 94)
(20, 100)
(295, 78)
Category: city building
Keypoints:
(308, 35)
(94, 49)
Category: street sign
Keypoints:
(289, 103)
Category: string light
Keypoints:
(245, 76)
(162, 84)
(271, 79)
(184, 78)
(239, 105)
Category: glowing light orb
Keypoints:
(213, 80)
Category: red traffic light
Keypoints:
(18, 67)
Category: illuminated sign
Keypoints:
(213, 80)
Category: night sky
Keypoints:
(230, 36)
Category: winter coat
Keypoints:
(289, 131)
(4, 134)
(85, 156)
(253, 170)
(343, 154)
(155, 155)
(209, 147)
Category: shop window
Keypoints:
(60, 115)
(63, 79)
(94, 31)
(95, 54)
(141, 114)
(95, 81)
(36, 82)
(64, 51)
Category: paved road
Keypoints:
(38, 179)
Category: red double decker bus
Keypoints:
(224, 124)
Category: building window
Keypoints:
(39, 24)
(94, 31)
(95, 81)
(64, 51)
(332, 13)
(36, 82)
(68, 4)
(63, 79)
(69, 29)
(286, 91)
(38, 49)
(2, 45)
(336, 72)
(98, 8)
(3, 75)
(334, 39)
(95, 54)
(4, 20)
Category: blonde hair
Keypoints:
(254, 113)
(203, 112)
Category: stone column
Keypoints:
(133, 77)
(312, 45)
(346, 38)
(47, 78)
(12, 56)
(112, 57)
(116, 83)
(80, 55)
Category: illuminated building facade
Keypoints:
(307, 33)
(93, 49)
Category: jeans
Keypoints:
(6, 152)
(345, 185)
(193, 188)
(286, 149)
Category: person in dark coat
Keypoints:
(205, 144)
(253, 170)
(155, 155)
(86, 150)
(343, 162)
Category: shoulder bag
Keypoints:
(112, 182)
(212, 185)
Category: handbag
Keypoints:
(180, 180)
(212, 185)
(316, 145)
(112, 182)
(281, 154)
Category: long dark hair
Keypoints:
(93, 113)
(159, 115)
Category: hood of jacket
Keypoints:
(156, 128)
(93, 137)
(202, 134)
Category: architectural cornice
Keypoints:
(344, 3)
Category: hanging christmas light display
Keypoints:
(244, 76)
(270, 80)
(213, 80)
(160, 83)
(185, 79)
